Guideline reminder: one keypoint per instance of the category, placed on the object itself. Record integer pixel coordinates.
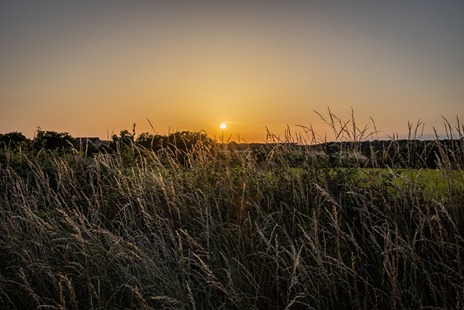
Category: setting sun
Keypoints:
(234, 67)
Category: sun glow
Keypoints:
(223, 126)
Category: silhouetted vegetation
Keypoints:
(181, 222)
(402, 153)
(13, 140)
(52, 140)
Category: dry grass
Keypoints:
(224, 232)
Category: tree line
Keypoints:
(63, 141)
(404, 153)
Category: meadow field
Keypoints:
(206, 228)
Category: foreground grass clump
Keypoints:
(224, 230)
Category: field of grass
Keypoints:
(138, 230)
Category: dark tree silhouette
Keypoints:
(52, 140)
(13, 139)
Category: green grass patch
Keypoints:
(435, 181)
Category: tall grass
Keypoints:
(137, 229)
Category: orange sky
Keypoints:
(94, 68)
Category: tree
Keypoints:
(186, 140)
(124, 137)
(150, 141)
(13, 139)
(52, 140)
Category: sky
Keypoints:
(93, 68)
